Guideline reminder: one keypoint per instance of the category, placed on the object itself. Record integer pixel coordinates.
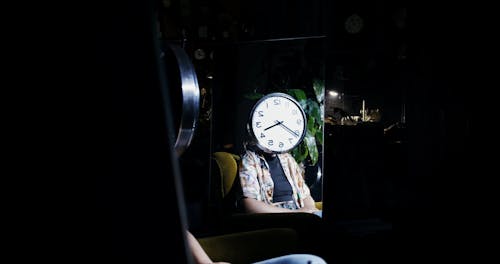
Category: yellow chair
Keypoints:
(228, 170)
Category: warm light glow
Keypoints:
(333, 93)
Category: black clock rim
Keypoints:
(254, 137)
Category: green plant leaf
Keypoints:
(314, 110)
(319, 89)
(319, 135)
(311, 126)
(300, 96)
(300, 152)
(312, 148)
(297, 94)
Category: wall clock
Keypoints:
(199, 54)
(354, 24)
(277, 123)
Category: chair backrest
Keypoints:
(228, 169)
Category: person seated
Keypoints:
(273, 183)
(201, 257)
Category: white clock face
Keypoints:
(277, 123)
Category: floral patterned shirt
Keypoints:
(256, 181)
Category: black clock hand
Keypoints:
(287, 128)
(278, 123)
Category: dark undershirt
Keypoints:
(282, 189)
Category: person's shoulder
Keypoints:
(286, 155)
(249, 154)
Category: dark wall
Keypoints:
(225, 20)
(404, 60)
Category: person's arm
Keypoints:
(309, 205)
(256, 206)
(199, 255)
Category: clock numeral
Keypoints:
(290, 139)
(261, 113)
(287, 104)
(277, 101)
(270, 142)
(257, 124)
(281, 144)
(262, 135)
(299, 121)
(294, 111)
